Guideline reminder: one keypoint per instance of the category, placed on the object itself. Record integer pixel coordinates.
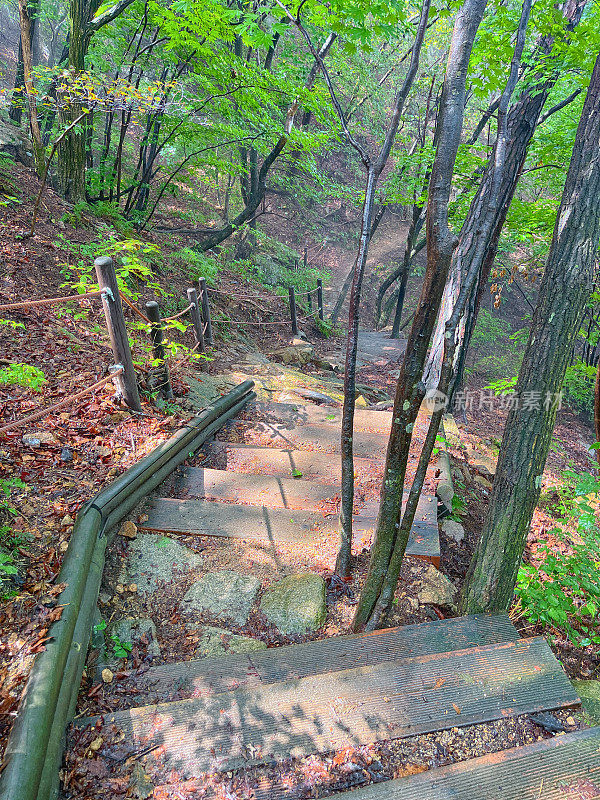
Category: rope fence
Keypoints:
(57, 406)
(198, 309)
(49, 301)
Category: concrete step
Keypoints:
(287, 462)
(264, 490)
(318, 437)
(222, 674)
(291, 414)
(554, 769)
(279, 525)
(320, 713)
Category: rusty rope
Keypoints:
(71, 399)
(49, 301)
(134, 308)
(176, 316)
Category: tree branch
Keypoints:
(111, 13)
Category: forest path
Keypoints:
(237, 712)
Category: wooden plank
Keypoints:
(563, 768)
(271, 525)
(214, 675)
(357, 706)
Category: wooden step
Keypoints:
(311, 414)
(321, 713)
(310, 436)
(277, 525)
(265, 490)
(239, 487)
(287, 462)
(563, 768)
(225, 673)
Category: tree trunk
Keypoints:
(440, 246)
(390, 581)
(26, 11)
(523, 119)
(16, 104)
(374, 171)
(71, 153)
(564, 291)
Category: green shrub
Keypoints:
(9, 541)
(22, 375)
(563, 590)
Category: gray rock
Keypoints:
(436, 589)
(225, 594)
(15, 144)
(296, 604)
(155, 559)
(220, 642)
(38, 438)
(453, 530)
(132, 630)
(300, 353)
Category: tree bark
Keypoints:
(25, 18)
(523, 119)
(564, 291)
(374, 171)
(390, 581)
(440, 246)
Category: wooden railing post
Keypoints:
(293, 311)
(309, 297)
(320, 297)
(115, 322)
(156, 334)
(192, 296)
(203, 292)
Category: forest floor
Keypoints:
(65, 459)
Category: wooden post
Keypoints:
(293, 311)
(320, 297)
(192, 296)
(309, 296)
(203, 292)
(295, 265)
(158, 349)
(115, 322)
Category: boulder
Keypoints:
(225, 594)
(221, 642)
(436, 589)
(15, 144)
(298, 354)
(296, 604)
(155, 559)
(453, 530)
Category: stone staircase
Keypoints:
(271, 483)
